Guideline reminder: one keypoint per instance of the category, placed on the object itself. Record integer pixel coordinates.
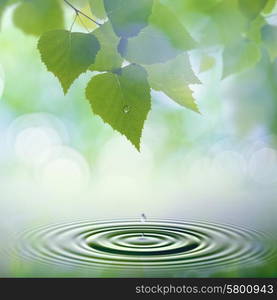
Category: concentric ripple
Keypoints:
(154, 244)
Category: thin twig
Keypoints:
(71, 27)
(77, 11)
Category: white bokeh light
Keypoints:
(63, 170)
(230, 163)
(31, 142)
(262, 166)
(200, 166)
(29, 136)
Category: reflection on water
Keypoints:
(168, 247)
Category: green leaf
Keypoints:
(230, 24)
(67, 54)
(122, 100)
(97, 8)
(269, 36)
(240, 56)
(269, 6)
(3, 5)
(162, 40)
(252, 8)
(38, 16)
(254, 31)
(196, 16)
(173, 78)
(107, 58)
(183, 8)
(207, 62)
(211, 22)
(128, 17)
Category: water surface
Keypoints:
(135, 248)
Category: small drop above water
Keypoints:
(143, 218)
(126, 109)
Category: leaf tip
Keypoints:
(65, 87)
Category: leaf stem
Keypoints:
(77, 11)
(76, 16)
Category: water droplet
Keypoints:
(126, 109)
(143, 218)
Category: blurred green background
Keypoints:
(59, 162)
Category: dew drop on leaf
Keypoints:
(126, 109)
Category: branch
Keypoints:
(78, 12)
